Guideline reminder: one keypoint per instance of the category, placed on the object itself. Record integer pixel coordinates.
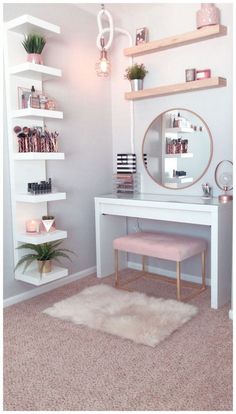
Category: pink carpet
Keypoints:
(55, 365)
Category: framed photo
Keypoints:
(141, 35)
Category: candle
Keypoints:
(33, 226)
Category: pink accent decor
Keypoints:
(32, 226)
(208, 15)
(35, 58)
(161, 245)
(203, 74)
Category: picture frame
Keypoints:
(141, 36)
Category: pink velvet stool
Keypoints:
(163, 246)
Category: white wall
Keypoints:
(85, 134)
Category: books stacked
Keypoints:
(126, 180)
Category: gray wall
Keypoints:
(85, 134)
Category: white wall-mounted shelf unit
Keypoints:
(182, 155)
(26, 24)
(38, 156)
(35, 72)
(35, 278)
(179, 130)
(36, 113)
(42, 237)
(40, 198)
(32, 165)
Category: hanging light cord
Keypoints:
(111, 29)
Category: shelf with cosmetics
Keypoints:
(202, 34)
(216, 82)
(31, 143)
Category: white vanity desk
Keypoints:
(111, 212)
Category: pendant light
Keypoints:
(103, 65)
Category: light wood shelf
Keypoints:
(34, 71)
(35, 278)
(216, 82)
(43, 237)
(39, 156)
(204, 33)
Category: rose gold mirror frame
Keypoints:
(211, 149)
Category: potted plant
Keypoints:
(136, 73)
(43, 254)
(34, 44)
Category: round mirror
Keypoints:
(177, 148)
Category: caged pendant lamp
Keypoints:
(103, 66)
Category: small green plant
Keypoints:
(42, 252)
(136, 71)
(34, 43)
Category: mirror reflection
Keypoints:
(177, 148)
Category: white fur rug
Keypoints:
(132, 315)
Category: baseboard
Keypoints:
(231, 314)
(169, 273)
(46, 288)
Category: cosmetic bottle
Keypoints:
(33, 99)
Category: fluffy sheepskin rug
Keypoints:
(132, 315)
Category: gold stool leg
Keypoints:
(178, 279)
(143, 263)
(204, 270)
(116, 268)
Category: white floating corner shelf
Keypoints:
(40, 198)
(26, 24)
(35, 72)
(41, 237)
(36, 113)
(39, 156)
(183, 155)
(35, 278)
(178, 130)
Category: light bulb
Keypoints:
(103, 66)
(226, 180)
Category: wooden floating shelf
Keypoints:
(35, 278)
(41, 237)
(208, 83)
(26, 24)
(34, 71)
(36, 113)
(40, 198)
(38, 156)
(204, 33)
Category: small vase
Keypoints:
(136, 84)
(48, 224)
(35, 58)
(44, 266)
(208, 15)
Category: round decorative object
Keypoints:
(208, 15)
(224, 179)
(177, 148)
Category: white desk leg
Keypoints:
(107, 229)
(221, 257)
